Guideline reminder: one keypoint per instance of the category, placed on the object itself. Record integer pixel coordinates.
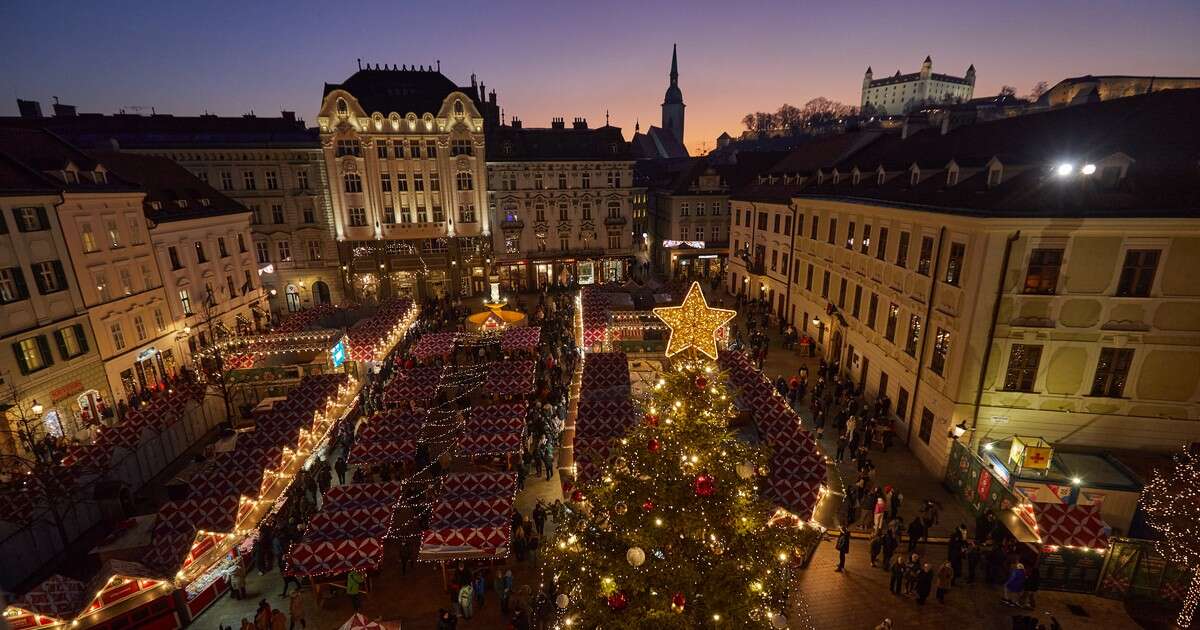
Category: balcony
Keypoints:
(512, 224)
(615, 221)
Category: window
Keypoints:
(49, 276)
(850, 236)
(774, 259)
(314, 250)
(461, 146)
(414, 148)
(614, 209)
(302, 179)
(405, 216)
(902, 251)
(902, 403)
(854, 310)
(241, 243)
(272, 180)
(352, 183)
(538, 182)
(139, 327)
(562, 179)
(385, 182)
(348, 147)
(762, 221)
(889, 331)
(1137, 274)
(564, 243)
(12, 285)
(160, 324)
(539, 213)
(126, 281)
(202, 176)
(800, 225)
(255, 218)
(994, 176)
(926, 430)
(808, 280)
(614, 180)
(399, 146)
(418, 182)
(464, 181)
(358, 217)
(435, 182)
(430, 149)
(866, 240)
(842, 294)
(585, 180)
(31, 219)
(564, 214)
(285, 251)
(33, 354)
(832, 237)
(200, 257)
(716, 233)
(381, 150)
(1022, 368)
(1112, 370)
(825, 285)
(248, 180)
(941, 350)
(422, 214)
(114, 233)
(926, 258)
(308, 215)
(700, 210)
(262, 250)
(389, 215)
(438, 215)
(185, 300)
(88, 238)
(118, 335)
(71, 341)
(402, 182)
(585, 211)
(102, 286)
(954, 263)
(1041, 276)
(872, 310)
(247, 282)
(221, 247)
(226, 180)
(614, 241)
(812, 234)
(466, 213)
(881, 246)
(775, 227)
(685, 209)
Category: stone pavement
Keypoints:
(859, 599)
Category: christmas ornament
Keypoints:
(654, 445)
(562, 600)
(693, 324)
(651, 419)
(678, 601)
(745, 470)
(618, 600)
(647, 505)
(778, 620)
(620, 464)
(635, 556)
(577, 496)
(704, 485)
(701, 383)
(716, 547)
(620, 508)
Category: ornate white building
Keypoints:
(404, 153)
(901, 93)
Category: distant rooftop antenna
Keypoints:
(439, 62)
(359, 63)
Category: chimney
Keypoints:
(492, 97)
(29, 109)
(66, 111)
(288, 116)
(580, 123)
(558, 123)
(516, 122)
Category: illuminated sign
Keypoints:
(338, 354)
(692, 244)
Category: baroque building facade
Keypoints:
(1035, 294)
(901, 93)
(566, 205)
(404, 153)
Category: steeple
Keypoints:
(672, 107)
(674, 64)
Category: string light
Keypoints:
(1172, 501)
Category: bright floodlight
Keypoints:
(1064, 169)
(1088, 169)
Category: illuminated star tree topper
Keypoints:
(694, 324)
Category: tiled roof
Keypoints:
(43, 153)
(516, 144)
(166, 185)
(162, 131)
(400, 91)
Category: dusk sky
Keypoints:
(570, 58)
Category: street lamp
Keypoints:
(957, 430)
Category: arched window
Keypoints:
(458, 109)
(353, 182)
(464, 181)
(342, 107)
(293, 298)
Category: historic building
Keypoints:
(202, 240)
(1093, 89)
(1023, 276)
(52, 378)
(901, 93)
(665, 141)
(110, 257)
(566, 205)
(405, 157)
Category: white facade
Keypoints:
(900, 93)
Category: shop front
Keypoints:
(514, 276)
(404, 283)
(149, 370)
(693, 265)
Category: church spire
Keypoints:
(674, 65)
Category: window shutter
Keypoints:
(16, 213)
(45, 349)
(24, 367)
(19, 279)
(62, 345)
(60, 275)
(81, 338)
(41, 285)
(43, 220)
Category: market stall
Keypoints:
(494, 430)
(415, 384)
(433, 345)
(510, 378)
(524, 339)
(472, 519)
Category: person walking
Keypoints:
(954, 554)
(503, 588)
(898, 568)
(876, 547)
(890, 543)
(296, 611)
(943, 581)
(340, 466)
(1033, 582)
(539, 517)
(916, 531)
(354, 582)
(237, 579)
(843, 548)
(973, 555)
(466, 600)
(1014, 587)
(880, 509)
(924, 583)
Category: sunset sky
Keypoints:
(570, 58)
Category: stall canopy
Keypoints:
(389, 436)
(432, 345)
(350, 530)
(605, 374)
(524, 339)
(510, 378)
(1061, 525)
(367, 337)
(494, 430)
(360, 622)
(605, 411)
(472, 519)
(419, 384)
(594, 313)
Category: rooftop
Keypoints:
(172, 193)
(162, 131)
(506, 143)
(401, 91)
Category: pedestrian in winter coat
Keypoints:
(876, 546)
(843, 548)
(973, 556)
(943, 580)
(898, 568)
(880, 509)
(466, 601)
(890, 543)
(924, 583)
(954, 554)
(479, 586)
(1014, 587)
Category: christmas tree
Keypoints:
(1173, 503)
(674, 534)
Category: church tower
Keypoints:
(672, 107)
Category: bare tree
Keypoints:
(1039, 88)
(749, 121)
(1007, 91)
(212, 359)
(789, 117)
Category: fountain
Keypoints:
(495, 318)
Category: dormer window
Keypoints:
(820, 178)
(995, 175)
(204, 202)
(880, 178)
(914, 177)
(458, 109)
(855, 177)
(837, 178)
(156, 205)
(100, 177)
(342, 107)
(951, 177)
(71, 177)
(182, 203)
